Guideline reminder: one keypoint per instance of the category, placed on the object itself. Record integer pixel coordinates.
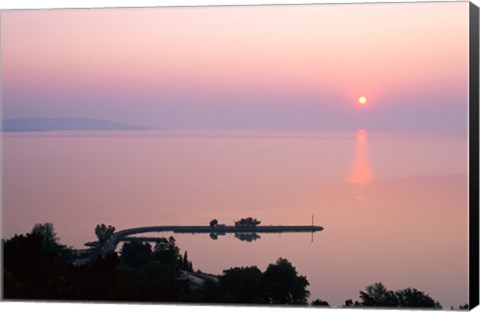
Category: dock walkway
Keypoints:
(112, 243)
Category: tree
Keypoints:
(349, 303)
(32, 270)
(283, 285)
(241, 285)
(97, 280)
(186, 265)
(247, 222)
(414, 298)
(377, 295)
(136, 254)
(167, 252)
(213, 223)
(47, 231)
(321, 303)
(104, 232)
(50, 243)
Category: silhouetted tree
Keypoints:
(279, 284)
(413, 298)
(33, 270)
(34, 267)
(185, 264)
(349, 304)
(377, 295)
(214, 223)
(247, 222)
(166, 252)
(283, 285)
(210, 292)
(153, 274)
(319, 302)
(104, 232)
(136, 254)
(94, 281)
(50, 242)
(47, 231)
(241, 285)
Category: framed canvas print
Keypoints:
(307, 155)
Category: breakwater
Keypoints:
(112, 243)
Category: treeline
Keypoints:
(279, 284)
(37, 266)
(377, 295)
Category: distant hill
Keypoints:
(52, 124)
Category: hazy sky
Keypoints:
(290, 67)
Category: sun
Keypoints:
(362, 100)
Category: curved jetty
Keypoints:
(112, 243)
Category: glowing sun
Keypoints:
(362, 100)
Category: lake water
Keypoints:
(393, 206)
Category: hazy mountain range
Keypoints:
(73, 124)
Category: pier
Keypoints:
(112, 243)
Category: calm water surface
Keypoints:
(393, 205)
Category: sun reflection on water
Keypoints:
(361, 171)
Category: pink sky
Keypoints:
(299, 66)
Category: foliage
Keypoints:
(32, 270)
(247, 222)
(47, 231)
(166, 252)
(36, 266)
(213, 223)
(104, 232)
(27, 264)
(241, 285)
(154, 271)
(135, 254)
(411, 297)
(141, 273)
(321, 303)
(185, 264)
(377, 295)
(51, 243)
(349, 303)
(279, 284)
(94, 281)
(283, 285)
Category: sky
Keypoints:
(254, 67)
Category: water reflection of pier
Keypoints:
(247, 237)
